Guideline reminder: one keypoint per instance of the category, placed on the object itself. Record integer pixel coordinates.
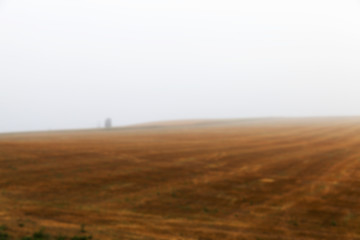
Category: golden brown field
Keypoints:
(244, 179)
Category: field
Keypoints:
(201, 180)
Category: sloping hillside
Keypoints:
(263, 179)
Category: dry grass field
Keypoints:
(201, 180)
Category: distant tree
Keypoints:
(108, 123)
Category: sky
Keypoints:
(73, 63)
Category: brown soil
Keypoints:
(250, 179)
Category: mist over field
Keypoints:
(182, 120)
(72, 64)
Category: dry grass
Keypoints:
(268, 179)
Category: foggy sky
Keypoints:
(73, 63)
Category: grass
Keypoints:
(82, 228)
(3, 227)
(41, 235)
(157, 183)
(294, 223)
(4, 236)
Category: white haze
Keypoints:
(73, 63)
